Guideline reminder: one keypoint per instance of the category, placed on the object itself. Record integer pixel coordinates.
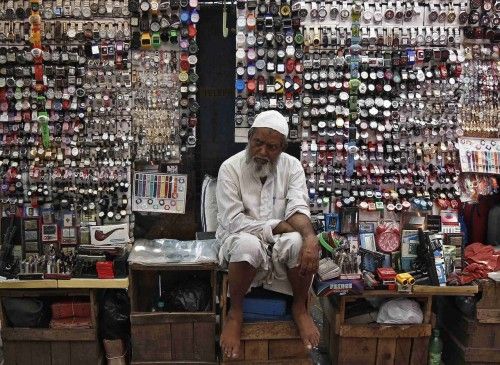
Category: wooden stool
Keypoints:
(276, 342)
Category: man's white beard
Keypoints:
(260, 170)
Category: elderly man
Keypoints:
(264, 226)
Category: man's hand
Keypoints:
(309, 256)
(283, 227)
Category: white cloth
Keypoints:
(271, 269)
(271, 119)
(246, 205)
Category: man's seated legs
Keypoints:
(244, 253)
(287, 252)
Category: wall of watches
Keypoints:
(89, 88)
(377, 93)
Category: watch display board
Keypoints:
(384, 91)
(160, 193)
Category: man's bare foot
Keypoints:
(307, 329)
(231, 333)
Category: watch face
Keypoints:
(145, 5)
(155, 26)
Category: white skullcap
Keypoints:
(272, 119)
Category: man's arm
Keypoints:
(231, 212)
(309, 254)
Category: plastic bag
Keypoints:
(27, 312)
(190, 296)
(163, 251)
(114, 315)
(400, 311)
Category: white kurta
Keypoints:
(246, 205)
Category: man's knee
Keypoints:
(246, 247)
(293, 245)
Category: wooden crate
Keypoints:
(276, 342)
(454, 353)
(488, 307)
(46, 346)
(468, 331)
(374, 344)
(170, 337)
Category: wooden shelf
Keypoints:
(121, 283)
(66, 284)
(466, 290)
(28, 284)
(385, 331)
(48, 334)
(170, 317)
(174, 266)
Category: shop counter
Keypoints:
(69, 346)
(350, 343)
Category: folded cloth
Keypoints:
(70, 308)
(481, 260)
(73, 322)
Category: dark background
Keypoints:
(215, 130)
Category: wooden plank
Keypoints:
(427, 310)
(84, 353)
(48, 334)
(488, 294)
(420, 293)
(151, 342)
(403, 350)
(385, 331)
(287, 349)
(41, 353)
(121, 283)
(28, 284)
(256, 350)
(182, 341)
(279, 330)
(204, 341)
(23, 356)
(419, 351)
(270, 362)
(488, 315)
(466, 290)
(474, 354)
(386, 350)
(61, 353)
(170, 317)
(352, 351)
(496, 337)
(9, 352)
(187, 362)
